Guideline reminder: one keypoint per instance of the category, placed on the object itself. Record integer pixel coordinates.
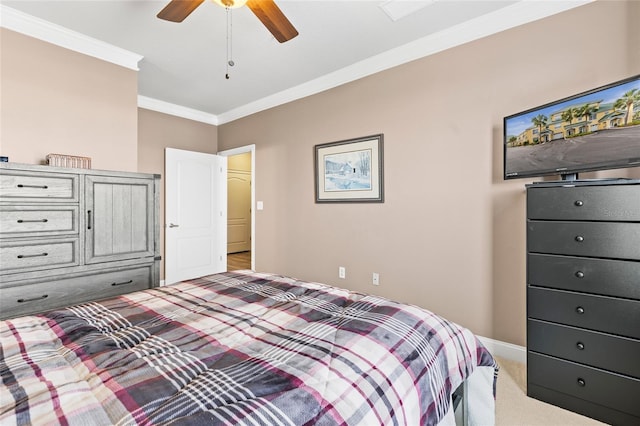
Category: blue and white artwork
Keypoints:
(348, 171)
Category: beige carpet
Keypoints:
(515, 408)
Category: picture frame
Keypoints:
(350, 171)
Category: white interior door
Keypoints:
(195, 214)
(238, 211)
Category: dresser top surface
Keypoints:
(69, 170)
(584, 182)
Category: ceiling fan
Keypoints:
(266, 11)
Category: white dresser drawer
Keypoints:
(31, 221)
(34, 255)
(26, 186)
(46, 295)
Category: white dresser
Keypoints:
(74, 235)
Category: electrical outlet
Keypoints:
(375, 279)
(342, 272)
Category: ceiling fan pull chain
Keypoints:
(230, 62)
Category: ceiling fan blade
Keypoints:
(273, 18)
(177, 10)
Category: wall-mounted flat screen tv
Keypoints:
(594, 130)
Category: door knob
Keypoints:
(173, 225)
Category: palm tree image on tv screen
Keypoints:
(595, 130)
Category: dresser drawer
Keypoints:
(614, 353)
(27, 186)
(42, 296)
(607, 202)
(588, 275)
(600, 313)
(36, 255)
(587, 383)
(30, 221)
(616, 240)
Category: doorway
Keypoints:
(240, 211)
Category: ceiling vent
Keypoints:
(397, 9)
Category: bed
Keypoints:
(242, 348)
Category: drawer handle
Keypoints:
(579, 238)
(580, 274)
(122, 283)
(88, 219)
(25, 256)
(581, 382)
(32, 220)
(33, 186)
(580, 310)
(580, 346)
(33, 299)
(578, 203)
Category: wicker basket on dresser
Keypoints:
(74, 235)
(583, 297)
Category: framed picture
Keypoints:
(350, 171)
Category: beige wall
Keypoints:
(54, 100)
(157, 131)
(450, 235)
(634, 35)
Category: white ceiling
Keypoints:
(183, 65)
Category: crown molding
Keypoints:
(176, 110)
(520, 13)
(23, 23)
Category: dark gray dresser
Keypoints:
(583, 297)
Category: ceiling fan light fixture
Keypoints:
(267, 11)
(230, 4)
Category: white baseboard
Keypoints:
(161, 283)
(505, 350)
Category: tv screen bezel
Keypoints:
(573, 170)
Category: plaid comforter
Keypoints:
(234, 348)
